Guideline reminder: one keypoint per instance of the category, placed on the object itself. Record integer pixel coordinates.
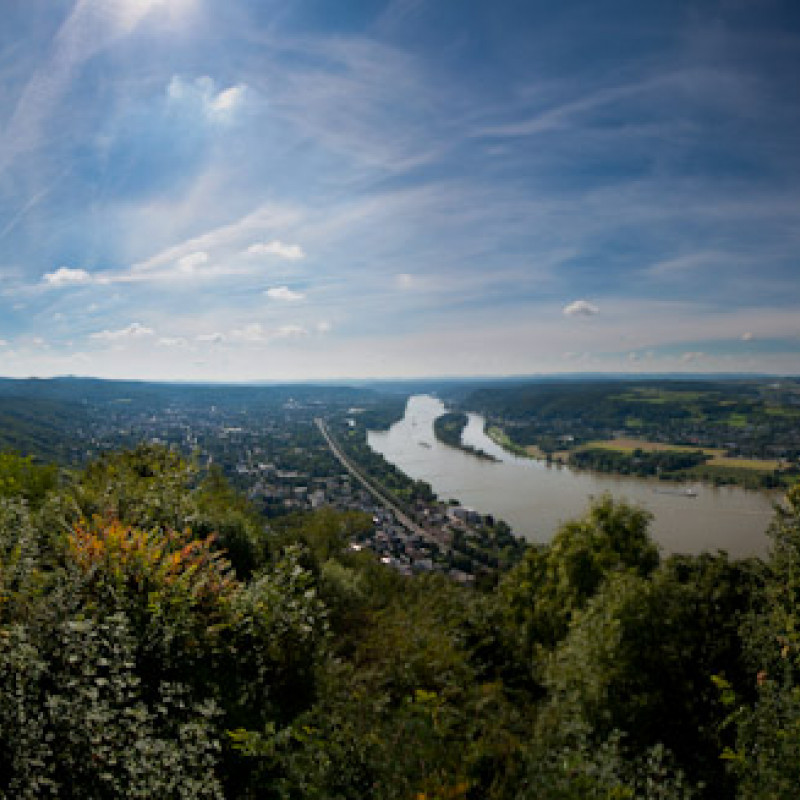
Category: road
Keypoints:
(400, 516)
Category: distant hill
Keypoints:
(40, 427)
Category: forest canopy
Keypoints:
(159, 639)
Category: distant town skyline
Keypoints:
(285, 191)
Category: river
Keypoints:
(535, 498)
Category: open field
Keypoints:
(628, 445)
(759, 464)
(659, 396)
(717, 456)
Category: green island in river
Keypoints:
(449, 429)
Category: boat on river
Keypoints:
(678, 492)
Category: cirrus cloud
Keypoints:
(189, 263)
(291, 252)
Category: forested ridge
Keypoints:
(159, 639)
(735, 431)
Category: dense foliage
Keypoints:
(157, 639)
(639, 462)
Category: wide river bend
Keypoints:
(535, 498)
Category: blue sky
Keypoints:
(256, 190)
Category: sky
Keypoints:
(252, 190)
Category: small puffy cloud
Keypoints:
(192, 261)
(172, 341)
(134, 331)
(227, 99)
(694, 355)
(212, 338)
(291, 252)
(3, 343)
(215, 104)
(581, 308)
(323, 326)
(288, 331)
(177, 88)
(284, 293)
(747, 337)
(64, 276)
(255, 332)
(252, 332)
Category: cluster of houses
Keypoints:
(398, 547)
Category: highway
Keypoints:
(400, 516)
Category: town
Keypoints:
(293, 450)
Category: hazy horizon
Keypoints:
(195, 191)
(532, 377)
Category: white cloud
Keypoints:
(216, 105)
(323, 326)
(64, 276)
(172, 341)
(284, 293)
(694, 355)
(252, 332)
(581, 308)
(134, 331)
(3, 343)
(227, 99)
(213, 338)
(291, 252)
(255, 332)
(190, 262)
(287, 331)
(747, 337)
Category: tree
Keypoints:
(766, 757)
(555, 581)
